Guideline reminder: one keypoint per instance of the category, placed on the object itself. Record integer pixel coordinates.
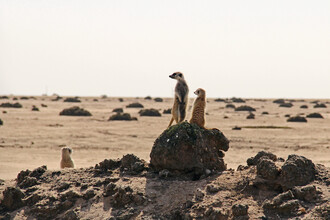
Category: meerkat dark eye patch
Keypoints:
(180, 74)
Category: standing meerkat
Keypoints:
(197, 116)
(66, 161)
(180, 98)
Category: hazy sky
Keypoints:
(129, 47)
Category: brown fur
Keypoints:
(197, 116)
(66, 161)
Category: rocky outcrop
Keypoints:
(188, 148)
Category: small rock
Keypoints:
(12, 198)
(289, 208)
(110, 189)
(89, 194)
(267, 169)
(212, 189)
(70, 215)
(28, 182)
(255, 160)
(239, 210)
(199, 195)
(306, 193)
(297, 171)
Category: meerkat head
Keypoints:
(200, 92)
(66, 151)
(177, 76)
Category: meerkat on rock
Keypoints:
(66, 161)
(180, 98)
(197, 116)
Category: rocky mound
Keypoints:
(135, 105)
(150, 112)
(11, 105)
(269, 188)
(188, 149)
(122, 117)
(314, 115)
(296, 119)
(75, 111)
(245, 108)
(72, 99)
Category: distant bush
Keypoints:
(35, 108)
(122, 117)
(167, 111)
(250, 116)
(320, 105)
(75, 111)
(24, 98)
(1, 122)
(245, 108)
(230, 106)
(279, 101)
(219, 100)
(314, 115)
(148, 98)
(120, 99)
(304, 106)
(264, 113)
(4, 97)
(158, 99)
(135, 105)
(286, 105)
(43, 105)
(70, 99)
(237, 100)
(150, 112)
(118, 110)
(297, 119)
(10, 105)
(56, 98)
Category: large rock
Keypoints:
(297, 171)
(12, 198)
(185, 147)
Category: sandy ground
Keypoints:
(29, 139)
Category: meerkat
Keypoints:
(180, 98)
(197, 116)
(66, 161)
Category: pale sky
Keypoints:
(253, 49)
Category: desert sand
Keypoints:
(29, 139)
(109, 190)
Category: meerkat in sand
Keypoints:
(197, 116)
(180, 98)
(66, 161)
